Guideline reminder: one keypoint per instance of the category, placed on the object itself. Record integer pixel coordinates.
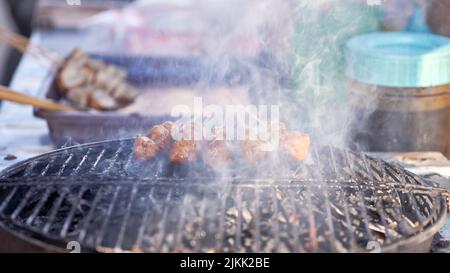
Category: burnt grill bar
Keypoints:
(89, 216)
(101, 196)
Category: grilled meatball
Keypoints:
(158, 139)
(168, 125)
(183, 151)
(145, 148)
(280, 127)
(190, 130)
(296, 144)
(252, 150)
(161, 136)
(216, 152)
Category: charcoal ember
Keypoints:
(267, 242)
(247, 229)
(247, 242)
(407, 228)
(246, 216)
(281, 218)
(169, 241)
(230, 220)
(294, 218)
(231, 242)
(353, 200)
(284, 246)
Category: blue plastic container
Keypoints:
(399, 59)
(399, 86)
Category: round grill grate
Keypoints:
(100, 196)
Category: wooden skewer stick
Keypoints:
(23, 44)
(13, 96)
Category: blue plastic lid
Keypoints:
(399, 59)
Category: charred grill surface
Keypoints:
(101, 196)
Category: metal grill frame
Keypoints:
(24, 233)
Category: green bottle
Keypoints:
(321, 31)
(322, 27)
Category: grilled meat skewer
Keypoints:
(183, 151)
(158, 139)
(216, 152)
(161, 136)
(296, 145)
(252, 150)
(145, 148)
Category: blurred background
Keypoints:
(290, 52)
(14, 16)
(21, 16)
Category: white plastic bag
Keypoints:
(188, 27)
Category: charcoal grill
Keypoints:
(99, 195)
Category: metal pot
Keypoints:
(438, 17)
(399, 120)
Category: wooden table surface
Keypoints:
(24, 136)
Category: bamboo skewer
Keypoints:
(13, 96)
(23, 45)
(19, 42)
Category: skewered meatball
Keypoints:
(216, 152)
(252, 150)
(161, 136)
(168, 125)
(296, 144)
(190, 130)
(158, 139)
(279, 126)
(145, 148)
(183, 151)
